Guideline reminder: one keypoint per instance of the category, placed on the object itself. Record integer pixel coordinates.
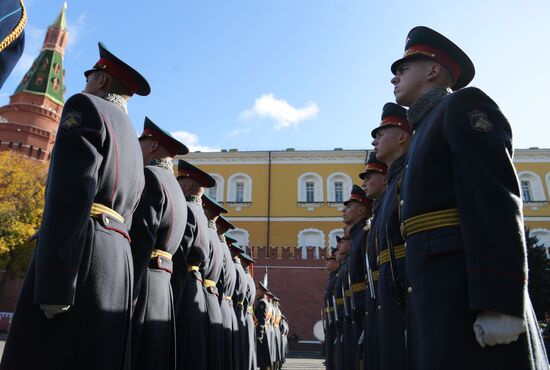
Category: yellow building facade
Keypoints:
(292, 200)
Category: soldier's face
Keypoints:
(353, 212)
(386, 143)
(411, 81)
(345, 247)
(374, 184)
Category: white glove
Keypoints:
(50, 310)
(493, 328)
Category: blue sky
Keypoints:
(306, 74)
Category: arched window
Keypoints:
(543, 235)
(239, 188)
(338, 187)
(531, 187)
(241, 235)
(310, 188)
(311, 239)
(332, 237)
(216, 192)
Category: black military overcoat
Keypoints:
(80, 260)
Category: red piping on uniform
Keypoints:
(124, 234)
(171, 216)
(116, 155)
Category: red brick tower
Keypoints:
(28, 124)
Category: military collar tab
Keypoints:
(194, 199)
(418, 110)
(117, 100)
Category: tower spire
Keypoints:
(30, 121)
(46, 75)
(61, 20)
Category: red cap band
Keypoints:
(440, 56)
(376, 167)
(364, 201)
(400, 122)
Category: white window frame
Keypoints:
(537, 189)
(317, 180)
(231, 187)
(347, 182)
(526, 191)
(304, 247)
(219, 186)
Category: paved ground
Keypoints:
(303, 364)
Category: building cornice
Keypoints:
(279, 157)
(533, 155)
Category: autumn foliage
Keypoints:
(22, 185)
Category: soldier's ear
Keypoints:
(154, 145)
(433, 71)
(403, 137)
(103, 80)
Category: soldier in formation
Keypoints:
(329, 322)
(158, 225)
(437, 290)
(75, 306)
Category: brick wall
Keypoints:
(299, 284)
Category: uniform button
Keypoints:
(402, 202)
(414, 132)
(379, 307)
(106, 220)
(405, 244)
(409, 289)
(406, 166)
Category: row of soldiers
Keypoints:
(271, 330)
(431, 270)
(132, 267)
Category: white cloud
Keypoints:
(192, 142)
(239, 131)
(284, 114)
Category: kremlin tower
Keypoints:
(28, 124)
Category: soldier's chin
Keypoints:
(402, 99)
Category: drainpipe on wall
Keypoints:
(268, 199)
